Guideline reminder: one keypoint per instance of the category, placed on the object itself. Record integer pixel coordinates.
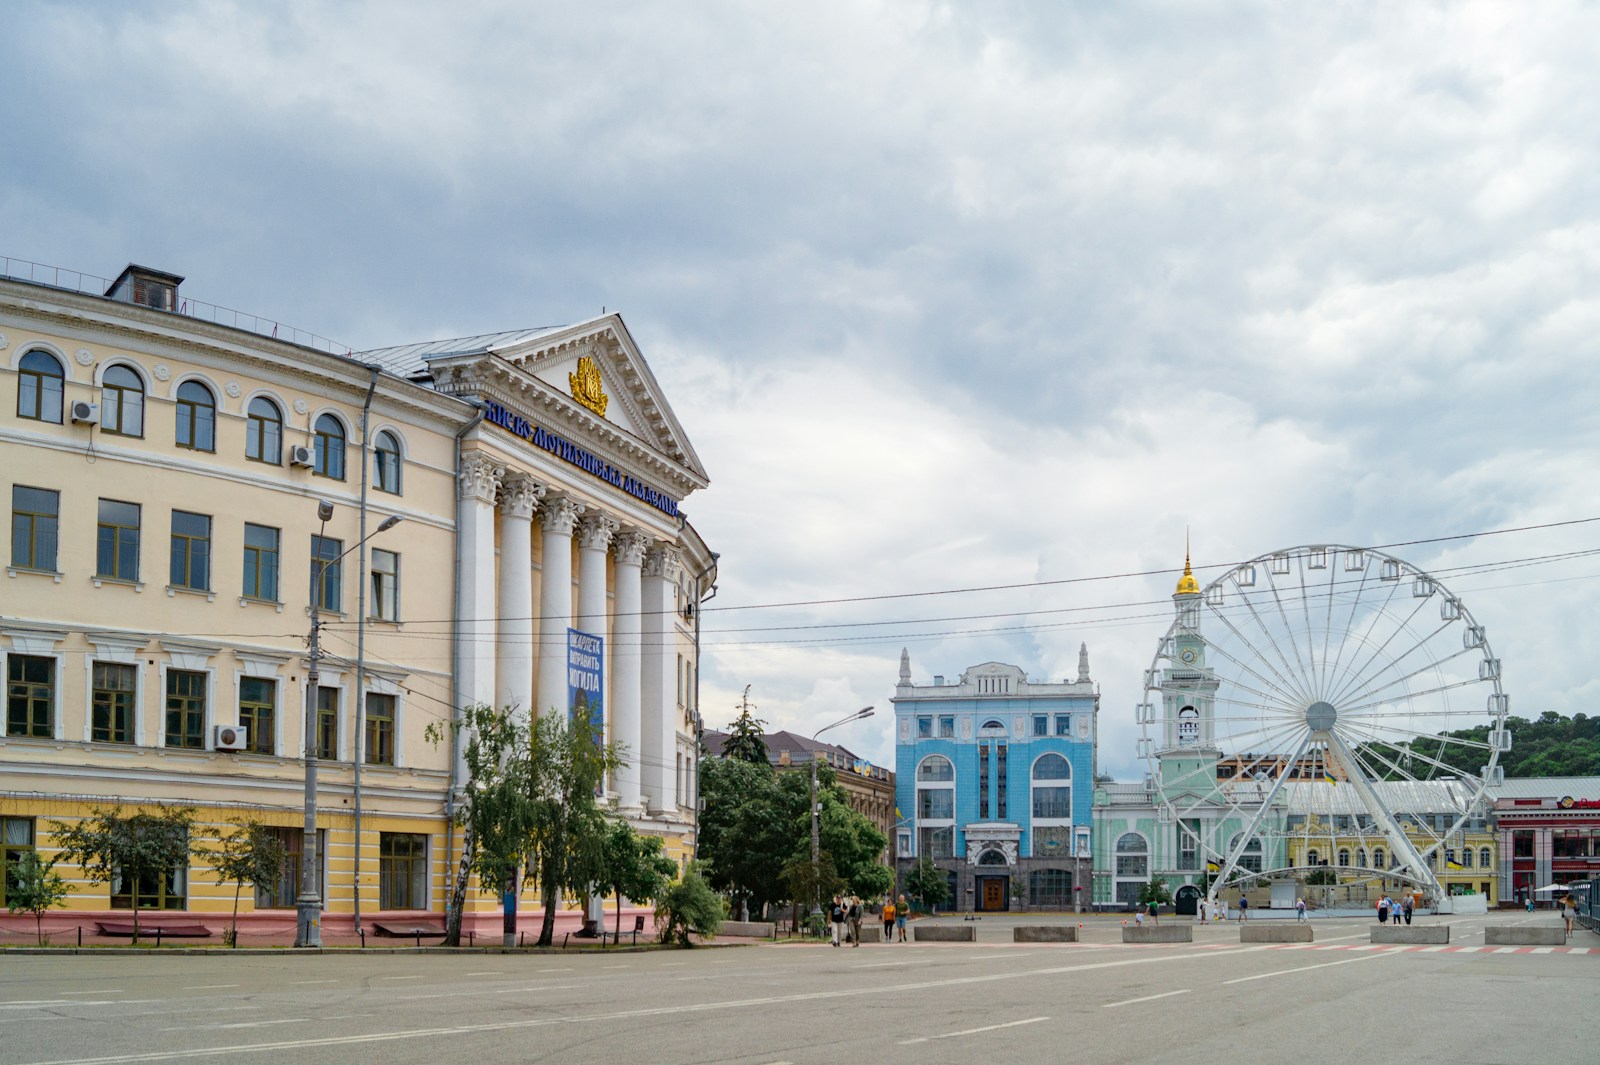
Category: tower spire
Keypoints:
(905, 665)
(1187, 585)
(1083, 663)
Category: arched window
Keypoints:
(1132, 867)
(936, 807)
(197, 417)
(263, 440)
(1052, 788)
(1466, 857)
(1344, 858)
(39, 385)
(1484, 861)
(936, 767)
(1377, 858)
(329, 457)
(122, 402)
(1250, 859)
(992, 725)
(991, 857)
(386, 463)
(1188, 725)
(1361, 857)
(1313, 857)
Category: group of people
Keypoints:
(1396, 908)
(845, 916)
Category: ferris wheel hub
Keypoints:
(1321, 716)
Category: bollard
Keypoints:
(80, 935)
(362, 932)
(471, 941)
(158, 938)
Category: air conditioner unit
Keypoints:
(83, 411)
(300, 455)
(230, 737)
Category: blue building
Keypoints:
(995, 781)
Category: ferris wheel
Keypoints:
(1294, 716)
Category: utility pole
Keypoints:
(816, 832)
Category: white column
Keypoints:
(594, 537)
(475, 647)
(519, 498)
(558, 516)
(629, 547)
(659, 688)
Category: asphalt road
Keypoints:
(1338, 1000)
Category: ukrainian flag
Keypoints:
(1327, 778)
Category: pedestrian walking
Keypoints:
(888, 920)
(854, 915)
(1244, 907)
(1408, 905)
(901, 911)
(1300, 909)
(836, 918)
(1569, 913)
(1383, 909)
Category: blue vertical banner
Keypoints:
(585, 667)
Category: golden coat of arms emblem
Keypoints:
(586, 385)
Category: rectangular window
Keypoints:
(983, 781)
(936, 804)
(191, 551)
(325, 572)
(281, 893)
(947, 728)
(30, 696)
(111, 702)
(936, 842)
(117, 548)
(16, 840)
(380, 729)
(260, 562)
(168, 891)
(35, 519)
(1000, 781)
(924, 728)
(1041, 724)
(402, 871)
(1189, 844)
(385, 573)
(258, 699)
(1063, 724)
(1052, 802)
(328, 724)
(186, 709)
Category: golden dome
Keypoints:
(1187, 585)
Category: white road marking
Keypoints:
(563, 969)
(1147, 998)
(483, 974)
(209, 987)
(314, 981)
(106, 991)
(397, 977)
(239, 1024)
(974, 1031)
(1305, 968)
(541, 987)
(992, 957)
(1543, 950)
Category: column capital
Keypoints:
(663, 560)
(479, 478)
(520, 495)
(595, 531)
(560, 514)
(629, 546)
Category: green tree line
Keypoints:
(1550, 746)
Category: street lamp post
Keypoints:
(816, 835)
(308, 906)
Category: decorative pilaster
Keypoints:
(558, 517)
(629, 547)
(663, 564)
(519, 499)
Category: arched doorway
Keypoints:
(993, 886)
(1187, 901)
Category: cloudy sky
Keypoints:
(948, 296)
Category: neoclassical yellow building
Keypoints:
(165, 474)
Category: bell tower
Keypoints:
(1188, 687)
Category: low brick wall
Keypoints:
(1273, 932)
(1410, 933)
(753, 929)
(1528, 935)
(1044, 933)
(1158, 933)
(943, 933)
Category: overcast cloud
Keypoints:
(946, 295)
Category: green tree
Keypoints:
(33, 886)
(250, 854)
(745, 742)
(496, 813)
(857, 845)
(806, 882)
(567, 764)
(689, 905)
(748, 830)
(634, 866)
(138, 849)
(928, 884)
(1155, 892)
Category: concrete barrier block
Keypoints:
(1410, 933)
(1275, 932)
(872, 932)
(1527, 935)
(755, 929)
(1158, 933)
(943, 933)
(1044, 933)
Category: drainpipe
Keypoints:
(361, 637)
(699, 722)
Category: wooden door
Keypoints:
(994, 893)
